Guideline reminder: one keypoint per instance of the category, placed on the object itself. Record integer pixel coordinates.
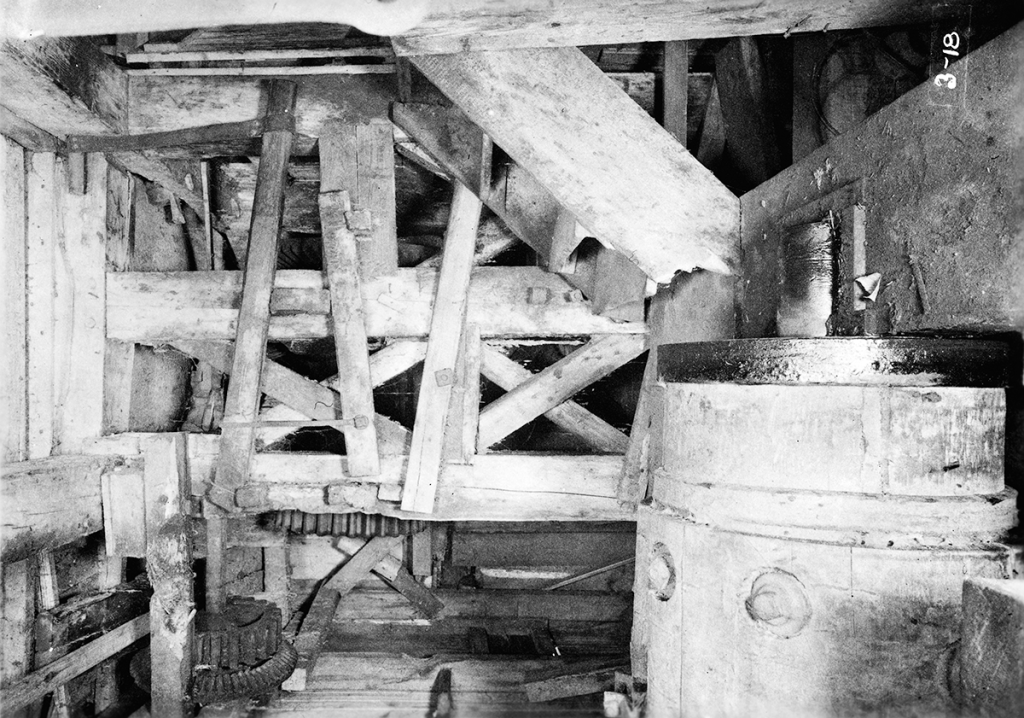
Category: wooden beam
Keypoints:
(439, 367)
(49, 597)
(573, 682)
(569, 415)
(119, 357)
(342, 265)
(13, 264)
(169, 566)
(304, 397)
(26, 134)
(461, 26)
(68, 86)
(37, 684)
(27, 18)
(49, 502)
(503, 302)
(495, 487)
(552, 386)
(243, 398)
(315, 626)
(675, 82)
(359, 158)
(452, 139)
(687, 219)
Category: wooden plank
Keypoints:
(169, 566)
(675, 82)
(169, 306)
(439, 367)
(301, 397)
(119, 357)
(422, 598)
(63, 85)
(378, 251)
(49, 597)
(67, 85)
(124, 512)
(79, 308)
(610, 192)
(49, 502)
(569, 415)
(37, 684)
(25, 133)
(496, 487)
(243, 398)
(311, 637)
(342, 265)
(576, 683)
(501, 605)
(450, 137)
(460, 26)
(552, 386)
(18, 611)
(13, 381)
(362, 562)
(470, 383)
(121, 16)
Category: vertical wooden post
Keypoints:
(18, 588)
(13, 413)
(169, 565)
(119, 357)
(446, 327)
(341, 262)
(216, 556)
(49, 597)
(675, 80)
(243, 399)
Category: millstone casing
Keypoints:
(861, 508)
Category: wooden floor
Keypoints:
(393, 684)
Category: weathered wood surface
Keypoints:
(520, 201)
(447, 324)
(66, 86)
(13, 263)
(52, 17)
(50, 502)
(216, 100)
(360, 159)
(543, 487)
(168, 306)
(553, 385)
(568, 415)
(37, 684)
(675, 86)
(25, 133)
(686, 219)
(460, 26)
(242, 403)
(341, 263)
(991, 652)
(169, 566)
(300, 397)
